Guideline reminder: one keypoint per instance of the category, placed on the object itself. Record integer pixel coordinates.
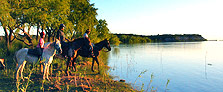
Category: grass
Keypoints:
(82, 80)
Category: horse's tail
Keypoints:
(16, 59)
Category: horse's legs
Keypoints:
(41, 66)
(67, 69)
(23, 65)
(44, 70)
(74, 66)
(92, 67)
(18, 68)
(96, 59)
(47, 72)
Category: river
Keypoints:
(175, 66)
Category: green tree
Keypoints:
(114, 39)
(102, 29)
(83, 16)
(9, 18)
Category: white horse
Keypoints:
(49, 51)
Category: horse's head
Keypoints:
(57, 46)
(107, 45)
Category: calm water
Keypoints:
(190, 66)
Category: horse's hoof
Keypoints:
(48, 79)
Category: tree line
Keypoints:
(132, 38)
(47, 15)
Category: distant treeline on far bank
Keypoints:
(132, 38)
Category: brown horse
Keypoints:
(96, 48)
(71, 51)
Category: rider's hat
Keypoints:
(62, 25)
(88, 30)
(42, 33)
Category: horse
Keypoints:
(96, 49)
(22, 56)
(71, 51)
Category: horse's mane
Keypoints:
(78, 39)
(48, 44)
(101, 41)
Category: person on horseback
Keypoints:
(88, 41)
(60, 36)
(40, 45)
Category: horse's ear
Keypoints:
(106, 40)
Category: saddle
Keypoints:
(34, 52)
(86, 50)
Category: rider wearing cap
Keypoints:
(88, 41)
(60, 36)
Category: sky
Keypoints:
(152, 17)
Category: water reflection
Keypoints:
(190, 66)
(115, 51)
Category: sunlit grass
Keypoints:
(82, 80)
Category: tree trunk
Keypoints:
(37, 32)
(7, 40)
(10, 37)
(49, 35)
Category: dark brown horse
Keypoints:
(71, 51)
(96, 48)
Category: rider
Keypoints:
(40, 45)
(60, 36)
(88, 41)
(40, 48)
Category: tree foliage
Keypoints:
(47, 15)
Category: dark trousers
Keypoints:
(65, 48)
(87, 43)
(39, 51)
(89, 47)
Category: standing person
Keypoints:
(60, 36)
(88, 41)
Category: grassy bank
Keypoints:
(82, 80)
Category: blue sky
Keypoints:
(151, 17)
